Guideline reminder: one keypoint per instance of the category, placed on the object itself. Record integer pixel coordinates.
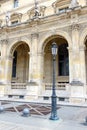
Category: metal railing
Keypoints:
(59, 86)
(18, 85)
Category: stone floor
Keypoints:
(70, 118)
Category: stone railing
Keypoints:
(59, 86)
(18, 85)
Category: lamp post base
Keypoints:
(54, 118)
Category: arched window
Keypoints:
(14, 64)
(63, 60)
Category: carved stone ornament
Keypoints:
(74, 4)
(75, 26)
(41, 10)
(16, 17)
(4, 41)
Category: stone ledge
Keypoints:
(76, 83)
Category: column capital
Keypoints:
(9, 57)
(40, 53)
(69, 49)
(4, 41)
(82, 48)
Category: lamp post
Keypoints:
(54, 97)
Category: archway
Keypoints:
(62, 60)
(20, 62)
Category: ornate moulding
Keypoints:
(16, 17)
(31, 12)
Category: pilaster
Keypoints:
(82, 63)
(33, 59)
(70, 51)
(35, 69)
(77, 63)
(75, 54)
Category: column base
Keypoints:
(77, 92)
(32, 90)
(77, 100)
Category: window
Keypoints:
(14, 22)
(15, 3)
(63, 9)
(63, 60)
(14, 64)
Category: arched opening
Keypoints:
(62, 60)
(20, 63)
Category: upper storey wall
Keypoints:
(8, 5)
(25, 6)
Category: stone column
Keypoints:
(40, 71)
(2, 67)
(33, 59)
(75, 54)
(8, 74)
(70, 64)
(76, 86)
(2, 86)
(33, 84)
(82, 64)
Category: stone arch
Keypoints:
(16, 43)
(20, 61)
(62, 58)
(49, 35)
(83, 37)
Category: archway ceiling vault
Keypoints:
(58, 41)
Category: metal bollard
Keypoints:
(86, 119)
(26, 112)
(1, 109)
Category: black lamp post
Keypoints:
(54, 97)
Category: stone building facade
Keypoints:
(27, 31)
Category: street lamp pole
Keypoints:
(54, 97)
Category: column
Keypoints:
(70, 52)
(8, 74)
(33, 84)
(75, 54)
(2, 67)
(33, 61)
(76, 86)
(40, 71)
(8, 69)
(82, 64)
